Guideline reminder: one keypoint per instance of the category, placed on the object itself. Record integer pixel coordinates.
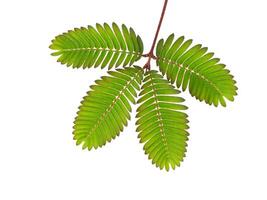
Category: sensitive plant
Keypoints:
(162, 123)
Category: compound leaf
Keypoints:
(105, 110)
(161, 123)
(101, 46)
(194, 68)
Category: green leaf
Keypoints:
(161, 123)
(105, 110)
(191, 67)
(101, 46)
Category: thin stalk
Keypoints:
(150, 54)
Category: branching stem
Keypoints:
(150, 54)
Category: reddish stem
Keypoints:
(150, 54)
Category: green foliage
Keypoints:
(194, 68)
(161, 123)
(105, 110)
(103, 46)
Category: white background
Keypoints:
(227, 149)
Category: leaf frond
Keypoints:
(195, 68)
(161, 123)
(105, 110)
(99, 47)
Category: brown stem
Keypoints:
(150, 54)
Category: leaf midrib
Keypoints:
(100, 49)
(101, 119)
(169, 61)
(163, 135)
